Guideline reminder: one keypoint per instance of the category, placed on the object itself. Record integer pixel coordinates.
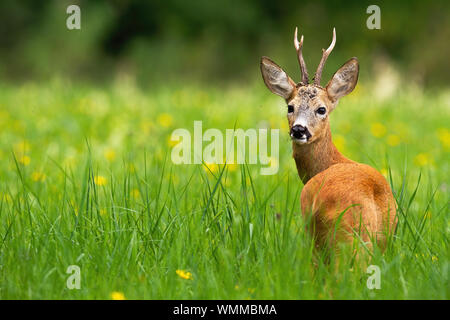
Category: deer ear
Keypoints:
(276, 79)
(344, 80)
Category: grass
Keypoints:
(87, 180)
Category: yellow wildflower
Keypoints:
(422, 159)
(184, 274)
(38, 176)
(110, 154)
(116, 295)
(25, 160)
(135, 193)
(393, 140)
(74, 206)
(100, 180)
(434, 258)
(22, 147)
(339, 142)
(232, 166)
(273, 162)
(378, 129)
(211, 167)
(172, 143)
(165, 120)
(444, 137)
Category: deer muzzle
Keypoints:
(300, 132)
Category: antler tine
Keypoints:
(325, 55)
(298, 47)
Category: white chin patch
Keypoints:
(302, 140)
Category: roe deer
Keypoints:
(340, 197)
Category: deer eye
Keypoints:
(290, 108)
(321, 110)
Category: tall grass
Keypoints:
(87, 180)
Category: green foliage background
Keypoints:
(218, 40)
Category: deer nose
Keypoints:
(298, 131)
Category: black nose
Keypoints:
(298, 131)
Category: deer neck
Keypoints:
(317, 156)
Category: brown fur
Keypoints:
(342, 198)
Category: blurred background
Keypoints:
(220, 41)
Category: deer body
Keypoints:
(340, 197)
(335, 185)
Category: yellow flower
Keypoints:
(434, 258)
(110, 154)
(356, 93)
(211, 167)
(103, 212)
(273, 162)
(100, 180)
(165, 120)
(74, 206)
(393, 140)
(339, 142)
(38, 176)
(25, 160)
(184, 274)
(116, 295)
(422, 159)
(135, 193)
(236, 287)
(378, 129)
(444, 137)
(172, 143)
(22, 147)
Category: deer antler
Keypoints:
(298, 46)
(325, 54)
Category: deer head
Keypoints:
(308, 105)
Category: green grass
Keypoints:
(239, 234)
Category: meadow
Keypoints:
(87, 180)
